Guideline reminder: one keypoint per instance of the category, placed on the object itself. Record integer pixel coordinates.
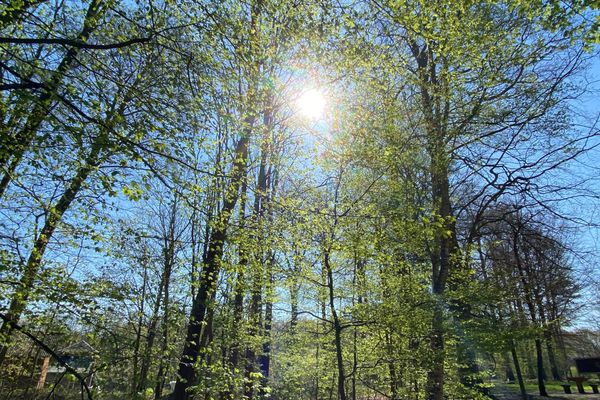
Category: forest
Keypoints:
(298, 199)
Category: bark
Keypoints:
(212, 264)
(240, 284)
(256, 324)
(551, 354)
(138, 333)
(540, 367)
(265, 364)
(294, 290)
(170, 245)
(515, 358)
(270, 183)
(530, 371)
(392, 368)
(260, 326)
(337, 329)
(149, 346)
(168, 259)
(445, 246)
(526, 279)
(541, 309)
(548, 339)
(432, 92)
(201, 313)
(510, 375)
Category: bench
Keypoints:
(579, 382)
(566, 387)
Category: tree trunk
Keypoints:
(138, 334)
(432, 90)
(168, 260)
(540, 367)
(392, 368)
(151, 336)
(240, 286)
(526, 280)
(294, 290)
(337, 329)
(256, 324)
(551, 355)
(513, 351)
(55, 214)
(260, 326)
(265, 363)
(510, 376)
(169, 264)
(208, 279)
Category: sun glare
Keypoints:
(311, 103)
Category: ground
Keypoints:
(503, 391)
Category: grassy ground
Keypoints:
(553, 386)
(554, 389)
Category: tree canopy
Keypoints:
(296, 199)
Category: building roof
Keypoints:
(81, 347)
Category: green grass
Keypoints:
(551, 386)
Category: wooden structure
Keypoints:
(80, 356)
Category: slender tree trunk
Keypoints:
(256, 324)
(551, 354)
(170, 246)
(445, 245)
(260, 326)
(294, 290)
(526, 280)
(530, 363)
(541, 309)
(540, 367)
(162, 369)
(515, 358)
(269, 183)
(208, 279)
(391, 368)
(265, 364)
(317, 365)
(510, 376)
(151, 336)
(140, 323)
(548, 339)
(354, 362)
(337, 329)
(55, 214)
(441, 268)
(168, 259)
(240, 284)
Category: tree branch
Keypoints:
(37, 341)
(74, 43)
(25, 85)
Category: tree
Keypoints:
(168, 198)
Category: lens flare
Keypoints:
(311, 104)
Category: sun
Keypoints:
(311, 104)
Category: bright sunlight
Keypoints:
(311, 103)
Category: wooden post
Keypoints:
(43, 373)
